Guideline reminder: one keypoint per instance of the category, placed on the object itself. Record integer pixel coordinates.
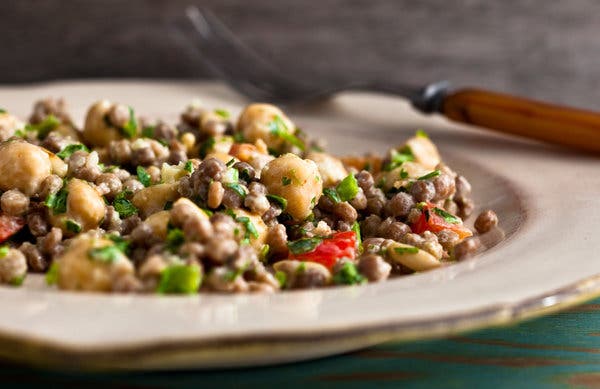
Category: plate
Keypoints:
(546, 199)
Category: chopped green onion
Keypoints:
(4, 251)
(52, 274)
(281, 278)
(231, 176)
(279, 128)
(356, 229)
(304, 245)
(237, 188)
(180, 279)
(250, 228)
(222, 113)
(230, 163)
(107, 254)
(282, 202)
(348, 275)
(332, 194)
(347, 188)
(286, 181)
(70, 149)
(72, 226)
(406, 250)
(143, 176)
(264, 253)
(432, 174)
(130, 128)
(448, 217)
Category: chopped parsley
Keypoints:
(403, 174)
(406, 250)
(44, 127)
(106, 254)
(304, 245)
(4, 251)
(188, 167)
(207, 146)
(180, 279)
(237, 188)
(432, 174)
(281, 278)
(52, 274)
(397, 158)
(148, 132)
(130, 128)
(123, 206)
(70, 149)
(120, 243)
(57, 202)
(356, 229)
(278, 127)
(72, 226)
(285, 181)
(175, 238)
(280, 201)
(348, 275)
(448, 217)
(347, 188)
(143, 176)
(222, 113)
(248, 225)
(332, 194)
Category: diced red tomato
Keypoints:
(10, 225)
(327, 253)
(431, 221)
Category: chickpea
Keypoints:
(424, 151)
(184, 209)
(158, 223)
(85, 207)
(296, 180)
(153, 198)
(254, 123)
(23, 166)
(332, 169)
(78, 271)
(97, 131)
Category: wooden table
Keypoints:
(558, 351)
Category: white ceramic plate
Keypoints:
(547, 201)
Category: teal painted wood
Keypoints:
(558, 351)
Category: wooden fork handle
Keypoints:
(551, 123)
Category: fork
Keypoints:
(249, 73)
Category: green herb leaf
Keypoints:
(264, 253)
(405, 154)
(143, 176)
(281, 278)
(148, 132)
(427, 176)
(230, 163)
(347, 188)
(120, 243)
(70, 149)
(356, 229)
(448, 217)
(403, 174)
(175, 238)
(332, 194)
(123, 206)
(222, 113)
(43, 128)
(285, 181)
(72, 226)
(57, 202)
(304, 245)
(52, 274)
(237, 188)
(2, 110)
(180, 279)
(106, 254)
(406, 250)
(250, 228)
(238, 137)
(232, 176)
(280, 201)
(207, 146)
(189, 167)
(279, 128)
(4, 251)
(348, 275)
(130, 128)
(18, 281)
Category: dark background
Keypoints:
(544, 49)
